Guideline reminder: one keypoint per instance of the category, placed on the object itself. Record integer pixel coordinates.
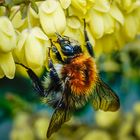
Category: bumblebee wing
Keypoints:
(104, 97)
(61, 115)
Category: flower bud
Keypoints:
(31, 48)
(79, 5)
(7, 65)
(52, 17)
(65, 3)
(7, 35)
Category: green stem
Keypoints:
(16, 2)
(15, 14)
(28, 18)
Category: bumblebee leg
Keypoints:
(35, 80)
(88, 44)
(55, 81)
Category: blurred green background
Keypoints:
(24, 117)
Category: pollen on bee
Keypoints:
(82, 74)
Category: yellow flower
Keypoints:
(80, 6)
(21, 23)
(129, 5)
(137, 129)
(31, 48)
(7, 65)
(102, 5)
(2, 10)
(126, 126)
(97, 135)
(130, 27)
(107, 119)
(41, 126)
(65, 3)
(116, 13)
(7, 35)
(136, 108)
(21, 128)
(96, 23)
(52, 17)
(73, 29)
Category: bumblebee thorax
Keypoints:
(82, 74)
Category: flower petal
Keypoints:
(65, 3)
(96, 24)
(117, 14)
(7, 64)
(102, 5)
(108, 24)
(49, 6)
(36, 31)
(73, 22)
(1, 73)
(34, 52)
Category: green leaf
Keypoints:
(34, 6)
(23, 10)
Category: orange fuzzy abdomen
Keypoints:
(82, 74)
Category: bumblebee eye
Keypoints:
(67, 50)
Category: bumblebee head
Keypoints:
(69, 47)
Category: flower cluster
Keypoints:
(25, 29)
(107, 126)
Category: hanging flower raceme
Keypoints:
(31, 48)
(7, 44)
(109, 24)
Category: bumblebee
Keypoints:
(73, 82)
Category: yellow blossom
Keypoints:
(107, 119)
(41, 126)
(137, 129)
(79, 5)
(126, 126)
(116, 13)
(31, 48)
(7, 65)
(73, 29)
(21, 128)
(130, 27)
(21, 23)
(102, 5)
(7, 35)
(129, 5)
(97, 135)
(65, 3)
(96, 23)
(52, 17)
(2, 10)
(136, 108)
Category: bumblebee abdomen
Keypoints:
(82, 74)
